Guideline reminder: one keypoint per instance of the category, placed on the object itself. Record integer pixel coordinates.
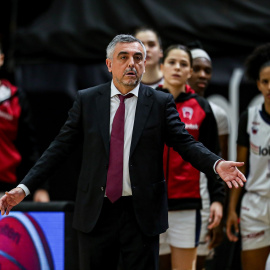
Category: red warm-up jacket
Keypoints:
(183, 180)
(18, 150)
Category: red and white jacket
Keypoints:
(183, 180)
(16, 134)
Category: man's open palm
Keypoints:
(228, 171)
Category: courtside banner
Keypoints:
(32, 241)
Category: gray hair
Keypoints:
(122, 39)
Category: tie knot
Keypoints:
(122, 98)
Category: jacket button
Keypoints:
(102, 188)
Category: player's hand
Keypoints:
(216, 213)
(228, 171)
(10, 199)
(232, 224)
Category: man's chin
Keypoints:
(131, 82)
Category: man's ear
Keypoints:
(109, 64)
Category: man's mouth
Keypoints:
(130, 73)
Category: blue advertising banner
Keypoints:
(32, 241)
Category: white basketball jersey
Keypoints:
(221, 118)
(258, 180)
(223, 128)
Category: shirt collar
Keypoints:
(115, 91)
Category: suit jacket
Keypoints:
(156, 122)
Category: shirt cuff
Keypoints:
(216, 163)
(24, 188)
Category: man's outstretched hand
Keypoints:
(228, 171)
(10, 199)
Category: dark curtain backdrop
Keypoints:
(80, 30)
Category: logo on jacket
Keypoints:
(187, 112)
(192, 126)
(6, 116)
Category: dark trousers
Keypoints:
(117, 233)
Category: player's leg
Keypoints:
(255, 231)
(183, 258)
(183, 237)
(255, 258)
(164, 252)
(202, 250)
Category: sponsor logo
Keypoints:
(254, 148)
(254, 127)
(6, 116)
(254, 130)
(264, 151)
(187, 112)
(192, 126)
(253, 235)
(10, 233)
(258, 150)
(23, 244)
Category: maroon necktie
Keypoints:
(114, 185)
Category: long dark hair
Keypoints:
(258, 59)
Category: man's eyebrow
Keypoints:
(124, 52)
(138, 53)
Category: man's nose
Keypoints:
(131, 62)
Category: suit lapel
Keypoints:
(144, 104)
(103, 108)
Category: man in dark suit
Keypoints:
(130, 225)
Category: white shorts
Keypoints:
(255, 221)
(202, 249)
(184, 230)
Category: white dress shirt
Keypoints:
(130, 109)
